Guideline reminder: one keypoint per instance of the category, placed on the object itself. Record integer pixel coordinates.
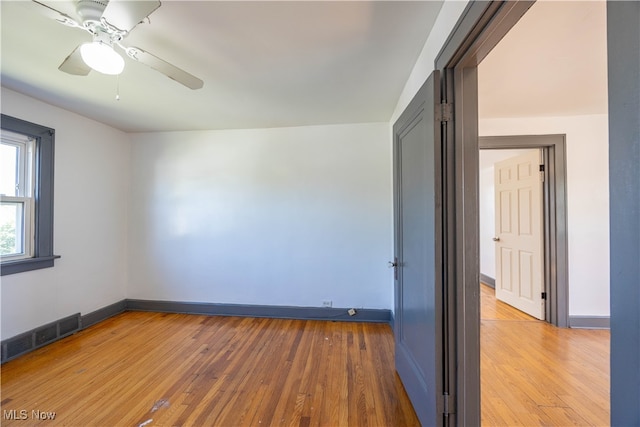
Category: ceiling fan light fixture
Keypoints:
(102, 58)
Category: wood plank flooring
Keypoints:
(171, 369)
(534, 374)
(157, 369)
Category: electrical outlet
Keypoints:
(327, 303)
(352, 312)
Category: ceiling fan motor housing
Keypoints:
(90, 10)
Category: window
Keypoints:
(16, 195)
(26, 196)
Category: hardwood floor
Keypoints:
(535, 374)
(170, 369)
(157, 369)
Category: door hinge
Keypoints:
(541, 168)
(544, 295)
(447, 404)
(541, 173)
(444, 113)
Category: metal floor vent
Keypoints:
(43, 335)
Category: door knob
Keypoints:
(394, 264)
(496, 239)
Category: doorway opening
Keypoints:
(555, 239)
(480, 29)
(527, 112)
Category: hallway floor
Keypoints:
(534, 374)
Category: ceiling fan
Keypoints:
(109, 22)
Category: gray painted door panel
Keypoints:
(417, 298)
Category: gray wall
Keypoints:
(623, 34)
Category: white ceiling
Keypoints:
(552, 63)
(296, 63)
(264, 63)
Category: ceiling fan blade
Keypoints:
(74, 64)
(126, 14)
(169, 70)
(52, 13)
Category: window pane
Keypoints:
(11, 228)
(8, 169)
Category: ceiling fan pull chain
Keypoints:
(118, 87)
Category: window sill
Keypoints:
(28, 264)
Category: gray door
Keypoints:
(418, 297)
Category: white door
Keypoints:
(518, 239)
